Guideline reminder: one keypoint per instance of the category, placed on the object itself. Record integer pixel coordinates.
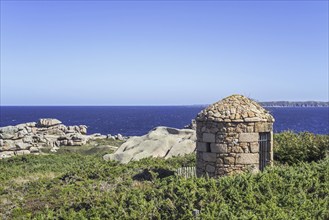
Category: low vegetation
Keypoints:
(96, 147)
(73, 185)
(292, 148)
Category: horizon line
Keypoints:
(146, 105)
(139, 105)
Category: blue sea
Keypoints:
(138, 120)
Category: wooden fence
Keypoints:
(186, 172)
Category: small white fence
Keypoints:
(186, 172)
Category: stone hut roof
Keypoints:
(235, 108)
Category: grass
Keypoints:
(96, 147)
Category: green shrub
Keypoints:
(76, 186)
(87, 187)
(293, 148)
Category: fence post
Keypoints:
(196, 213)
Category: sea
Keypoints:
(139, 120)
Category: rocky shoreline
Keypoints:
(51, 134)
(31, 137)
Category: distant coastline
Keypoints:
(295, 104)
(288, 104)
(264, 104)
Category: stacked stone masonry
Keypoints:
(228, 136)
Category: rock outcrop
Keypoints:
(48, 122)
(30, 137)
(161, 142)
(192, 125)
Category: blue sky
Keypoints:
(162, 52)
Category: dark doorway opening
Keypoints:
(264, 149)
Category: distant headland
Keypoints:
(289, 104)
(294, 104)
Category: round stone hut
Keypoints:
(233, 135)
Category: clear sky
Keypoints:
(162, 52)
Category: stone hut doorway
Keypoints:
(264, 149)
